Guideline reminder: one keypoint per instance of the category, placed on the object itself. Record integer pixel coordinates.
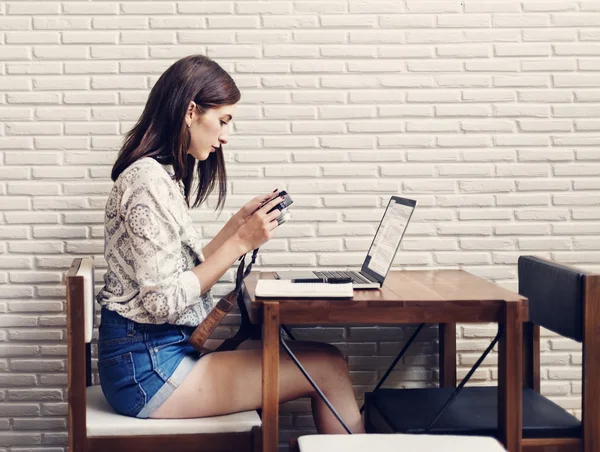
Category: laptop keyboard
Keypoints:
(358, 278)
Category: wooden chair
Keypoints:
(394, 443)
(95, 427)
(562, 299)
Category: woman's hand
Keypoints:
(236, 222)
(258, 229)
(243, 215)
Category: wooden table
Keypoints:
(445, 297)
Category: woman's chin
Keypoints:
(202, 155)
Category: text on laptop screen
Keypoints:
(390, 232)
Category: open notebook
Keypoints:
(286, 288)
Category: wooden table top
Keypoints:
(408, 296)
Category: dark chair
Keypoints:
(562, 299)
(95, 427)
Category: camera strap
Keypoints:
(218, 313)
(246, 329)
(241, 273)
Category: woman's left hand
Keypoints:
(244, 214)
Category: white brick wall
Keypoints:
(487, 112)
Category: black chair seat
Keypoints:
(473, 412)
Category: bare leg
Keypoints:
(228, 382)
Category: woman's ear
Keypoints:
(189, 114)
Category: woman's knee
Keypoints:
(322, 350)
(335, 355)
(327, 361)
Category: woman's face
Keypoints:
(208, 131)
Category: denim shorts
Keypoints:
(140, 365)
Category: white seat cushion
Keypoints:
(102, 420)
(397, 442)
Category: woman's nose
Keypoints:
(223, 139)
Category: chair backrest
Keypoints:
(556, 295)
(80, 325)
(86, 270)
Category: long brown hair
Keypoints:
(161, 132)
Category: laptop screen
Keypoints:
(387, 239)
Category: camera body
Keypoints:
(283, 207)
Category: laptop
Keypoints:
(378, 260)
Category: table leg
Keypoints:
(510, 377)
(270, 376)
(447, 354)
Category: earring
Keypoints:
(189, 125)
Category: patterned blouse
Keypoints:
(150, 248)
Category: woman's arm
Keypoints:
(219, 261)
(154, 241)
(236, 221)
(256, 231)
(224, 234)
(164, 290)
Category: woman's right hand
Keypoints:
(259, 228)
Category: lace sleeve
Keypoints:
(166, 290)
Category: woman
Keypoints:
(157, 286)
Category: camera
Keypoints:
(283, 207)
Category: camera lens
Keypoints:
(285, 216)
